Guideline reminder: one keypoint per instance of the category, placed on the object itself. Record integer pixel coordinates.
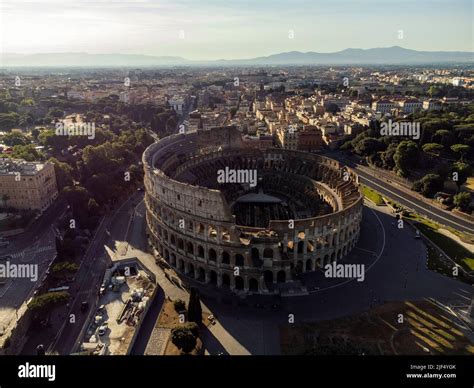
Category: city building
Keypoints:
(27, 185)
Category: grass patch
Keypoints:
(454, 250)
(372, 195)
(426, 329)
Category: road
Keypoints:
(391, 190)
(90, 274)
(35, 246)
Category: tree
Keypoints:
(179, 305)
(183, 338)
(432, 149)
(406, 157)
(387, 156)
(14, 138)
(462, 171)
(369, 146)
(444, 137)
(461, 149)
(63, 173)
(43, 304)
(34, 133)
(27, 152)
(429, 185)
(9, 121)
(194, 307)
(193, 328)
(462, 200)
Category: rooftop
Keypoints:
(12, 166)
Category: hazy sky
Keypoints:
(213, 29)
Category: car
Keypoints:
(84, 306)
(102, 330)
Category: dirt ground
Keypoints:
(405, 328)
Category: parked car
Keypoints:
(102, 330)
(84, 306)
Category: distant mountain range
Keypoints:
(377, 56)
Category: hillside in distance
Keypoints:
(376, 56)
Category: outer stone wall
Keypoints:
(193, 229)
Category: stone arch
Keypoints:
(239, 283)
(225, 257)
(281, 276)
(212, 254)
(225, 235)
(212, 232)
(300, 246)
(268, 276)
(255, 253)
(299, 266)
(180, 243)
(191, 270)
(309, 265)
(190, 248)
(181, 265)
(253, 285)
(225, 280)
(167, 255)
(239, 260)
(173, 259)
(290, 246)
(201, 274)
(173, 240)
(200, 252)
(213, 278)
(200, 228)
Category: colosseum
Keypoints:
(302, 210)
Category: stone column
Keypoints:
(246, 283)
(261, 284)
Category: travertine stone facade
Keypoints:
(192, 226)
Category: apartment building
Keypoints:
(383, 106)
(27, 185)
